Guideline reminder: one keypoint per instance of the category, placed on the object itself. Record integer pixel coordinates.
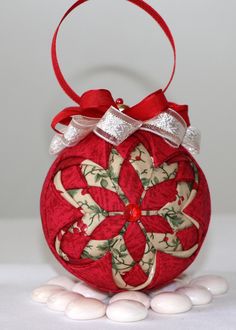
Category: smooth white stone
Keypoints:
(88, 292)
(59, 301)
(85, 309)
(171, 303)
(132, 295)
(63, 281)
(215, 284)
(126, 311)
(42, 293)
(184, 278)
(171, 287)
(197, 294)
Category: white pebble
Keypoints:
(184, 278)
(89, 292)
(59, 301)
(215, 284)
(85, 309)
(197, 294)
(172, 286)
(126, 311)
(63, 281)
(42, 293)
(171, 303)
(132, 295)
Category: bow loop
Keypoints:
(64, 117)
(182, 110)
(149, 107)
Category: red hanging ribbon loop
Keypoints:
(94, 103)
(141, 4)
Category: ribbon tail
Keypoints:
(192, 140)
(76, 131)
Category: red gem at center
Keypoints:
(132, 212)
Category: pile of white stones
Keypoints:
(80, 302)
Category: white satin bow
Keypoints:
(115, 127)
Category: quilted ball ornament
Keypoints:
(124, 206)
(131, 217)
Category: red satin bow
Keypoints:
(94, 103)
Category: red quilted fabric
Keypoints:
(58, 214)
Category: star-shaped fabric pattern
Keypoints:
(95, 217)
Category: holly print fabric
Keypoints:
(132, 229)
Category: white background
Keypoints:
(111, 44)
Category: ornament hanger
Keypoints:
(141, 4)
(96, 109)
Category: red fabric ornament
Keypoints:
(132, 216)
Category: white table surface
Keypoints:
(18, 311)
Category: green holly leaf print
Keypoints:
(145, 182)
(123, 248)
(97, 176)
(104, 183)
(142, 162)
(173, 216)
(149, 175)
(72, 192)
